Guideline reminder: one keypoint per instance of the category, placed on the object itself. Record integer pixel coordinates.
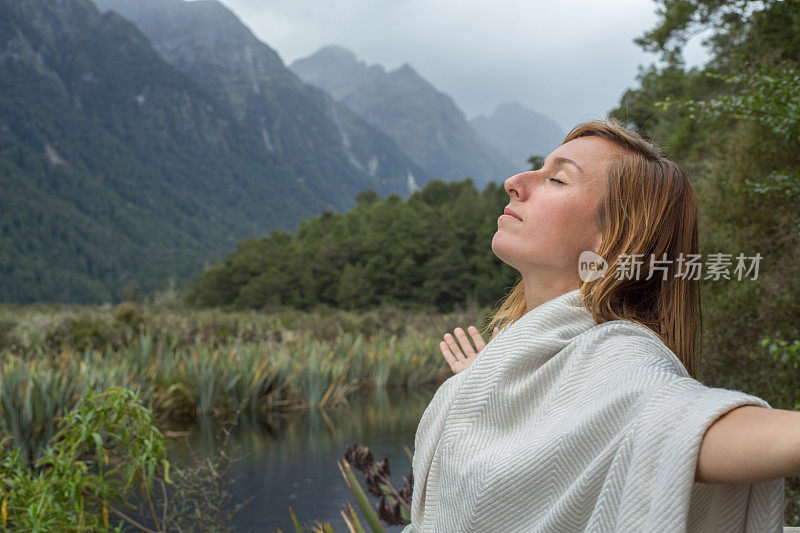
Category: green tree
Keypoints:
(353, 290)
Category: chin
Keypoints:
(502, 252)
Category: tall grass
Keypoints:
(189, 364)
(32, 397)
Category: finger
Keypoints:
(476, 338)
(453, 345)
(466, 345)
(448, 355)
(494, 332)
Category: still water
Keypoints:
(290, 460)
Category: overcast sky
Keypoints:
(571, 60)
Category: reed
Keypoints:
(190, 363)
(32, 397)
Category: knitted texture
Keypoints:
(561, 424)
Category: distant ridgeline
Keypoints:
(425, 122)
(433, 249)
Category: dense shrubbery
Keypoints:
(431, 251)
(51, 328)
(106, 468)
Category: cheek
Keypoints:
(551, 221)
(561, 230)
(579, 228)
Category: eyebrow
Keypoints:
(561, 161)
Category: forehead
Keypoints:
(591, 153)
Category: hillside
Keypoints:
(332, 150)
(115, 166)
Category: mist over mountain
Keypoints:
(337, 70)
(425, 122)
(519, 132)
(331, 149)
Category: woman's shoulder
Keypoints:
(626, 342)
(626, 328)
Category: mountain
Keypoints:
(337, 70)
(115, 166)
(332, 150)
(519, 132)
(425, 122)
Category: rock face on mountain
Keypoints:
(425, 122)
(331, 149)
(519, 132)
(115, 166)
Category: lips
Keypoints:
(508, 211)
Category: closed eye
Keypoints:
(557, 180)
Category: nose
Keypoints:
(514, 185)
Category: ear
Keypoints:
(597, 243)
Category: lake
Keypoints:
(290, 459)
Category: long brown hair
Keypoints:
(649, 208)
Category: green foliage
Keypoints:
(432, 250)
(6, 330)
(289, 359)
(131, 293)
(769, 97)
(681, 19)
(32, 398)
(130, 314)
(105, 469)
(87, 333)
(107, 449)
(362, 499)
(787, 356)
(784, 351)
(536, 162)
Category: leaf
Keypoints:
(166, 465)
(296, 523)
(361, 498)
(98, 441)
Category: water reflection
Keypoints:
(290, 460)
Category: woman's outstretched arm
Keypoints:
(750, 444)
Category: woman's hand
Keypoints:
(460, 358)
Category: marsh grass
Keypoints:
(189, 364)
(32, 397)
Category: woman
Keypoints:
(582, 412)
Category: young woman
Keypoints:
(582, 412)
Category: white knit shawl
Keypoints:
(561, 424)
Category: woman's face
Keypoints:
(556, 206)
